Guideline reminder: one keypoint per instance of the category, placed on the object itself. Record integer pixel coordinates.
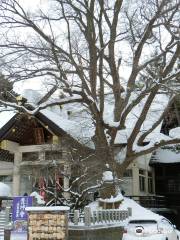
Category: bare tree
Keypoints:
(128, 48)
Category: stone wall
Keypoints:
(109, 233)
(47, 223)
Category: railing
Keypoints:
(106, 216)
(154, 201)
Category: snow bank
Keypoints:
(138, 212)
(5, 190)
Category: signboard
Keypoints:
(19, 214)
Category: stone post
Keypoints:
(130, 212)
(76, 217)
(87, 216)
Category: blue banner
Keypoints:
(19, 214)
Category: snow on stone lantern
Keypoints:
(110, 196)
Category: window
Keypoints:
(172, 185)
(141, 180)
(128, 173)
(150, 182)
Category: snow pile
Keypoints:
(38, 198)
(138, 212)
(4, 190)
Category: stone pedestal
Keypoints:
(47, 223)
(107, 190)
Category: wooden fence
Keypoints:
(106, 216)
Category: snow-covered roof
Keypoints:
(80, 130)
(79, 123)
(5, 116)
(159, 104)
(169, 154)
(166, 156)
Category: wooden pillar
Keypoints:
(16, 173)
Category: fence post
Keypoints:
(76, 217)
(129, 212)
(87, 216)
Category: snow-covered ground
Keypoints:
(138, 212)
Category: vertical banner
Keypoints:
(19, 214)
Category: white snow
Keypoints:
(31, 95)
(38, 197)
(39, 209)
(175, 132)
(153, 138)
(5, 116)
(138, 212)
(5, 190)
(81, 130)
(112, 199)
(80, 126)
(159, 104)
(107, 176)
(166, 156)
(79, 123)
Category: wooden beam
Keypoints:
(39, 148)
(10, 146)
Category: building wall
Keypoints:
(131, 184)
